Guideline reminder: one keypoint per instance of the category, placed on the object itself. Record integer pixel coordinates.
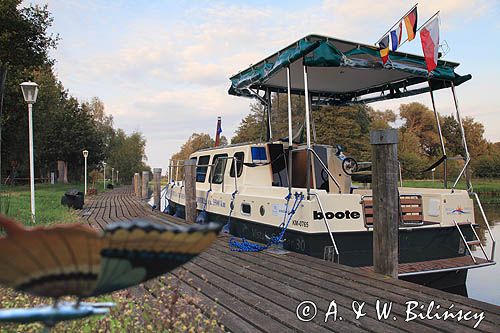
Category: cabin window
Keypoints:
(218, 168)
(201, 169)
(238, 160)
(246, 208)
(259, 154)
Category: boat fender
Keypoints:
(178, 213)
(170, 210)
(202, 217)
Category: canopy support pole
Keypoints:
(290, 134)
(308, 135)
(464, 143)
(445, 169)
(313, 124)
(269, 135)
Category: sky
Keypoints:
(163, 67)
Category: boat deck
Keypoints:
(260, 292)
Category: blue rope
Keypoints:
(206, 200)
(245, 246)
(227, 227)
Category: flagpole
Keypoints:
(395, 24)
(423, 25)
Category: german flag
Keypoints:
(411, 24)
(384, 48)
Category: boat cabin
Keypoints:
(265, 164)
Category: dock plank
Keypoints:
(260, 292)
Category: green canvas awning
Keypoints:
(341, 72)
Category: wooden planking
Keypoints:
(436, 264)
(260, 291)
(340, 287)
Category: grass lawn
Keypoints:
(15, 202)
(480, 186)
(164, 309)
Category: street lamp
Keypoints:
(30, 93)
(104, 163)
(112, 173)
(85, 154)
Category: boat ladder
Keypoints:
(476, 240)
(472, 242)
(330, 253)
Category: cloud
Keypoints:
(164, 68)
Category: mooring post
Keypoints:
(190, 189)
(157, 187)
(145, 184)
(139, 185)
(385, 201)
(136, 183)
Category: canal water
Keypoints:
(484, 283)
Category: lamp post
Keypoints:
(112, 173)
(85, 154)
(30, 93)
(104, 176)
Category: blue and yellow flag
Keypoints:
(384, 48)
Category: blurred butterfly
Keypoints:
(72, 259)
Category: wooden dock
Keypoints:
(261, 292)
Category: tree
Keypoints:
(24, 51)
(195, 142)
(24, 38)
(250, 128)
(253, 127)
(63, 127)
(420, 121)
(127, 154)
(381, 119)
(103, 124)
(347, 126)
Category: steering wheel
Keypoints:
(349, 165)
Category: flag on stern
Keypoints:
(411, 24)
(429, 36)
(384, 48)
(396, 37)
(218, 132)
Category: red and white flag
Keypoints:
(429, 36)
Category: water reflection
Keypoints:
(482, 283)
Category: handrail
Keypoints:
(233, 158)
(493, 241)
(322, 165)
(400, 174)
(460, 175)
(464, 143)
(214, 165)
(465, 242)
(327, 227)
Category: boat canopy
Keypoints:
(342, 72)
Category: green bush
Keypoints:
(487, 166)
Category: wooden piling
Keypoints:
(157, 187)
(385, 201)
(137, 184)
(190, 190)
(145, 184)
